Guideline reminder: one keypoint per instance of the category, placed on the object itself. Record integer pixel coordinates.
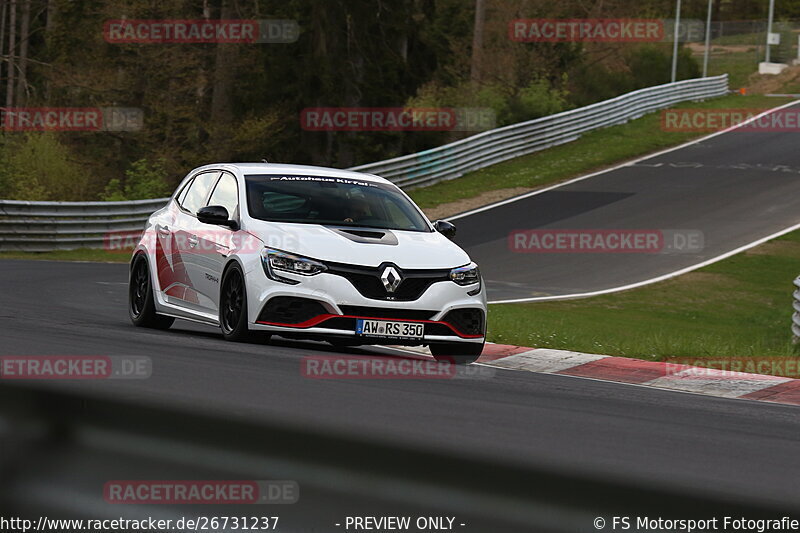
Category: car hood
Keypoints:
(412, 249)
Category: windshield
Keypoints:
(331, 201)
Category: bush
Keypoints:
(143, 181)
(39, 168)
(509, 105)
(643, 66)
(652, 65)
(538, 100)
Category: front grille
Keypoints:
(467, 321)
(340, 322)
(367, 281)
(438, 329)
(380, 312)
(290, 310)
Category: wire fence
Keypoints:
(737, 47)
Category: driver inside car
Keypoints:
(357, 210)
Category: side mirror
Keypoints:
(445, 228)
(216, 215)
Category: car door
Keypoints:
(177, 280)
(215, 243)
(170, 276)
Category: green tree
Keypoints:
(142, 181)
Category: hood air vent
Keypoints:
(366, 235)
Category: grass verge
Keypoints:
(738, 307)
(593, 151)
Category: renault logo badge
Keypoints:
(391, 279)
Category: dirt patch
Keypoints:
(700, 48)
(765, 84)
(449, 209)
(784, 248)
(704, 278)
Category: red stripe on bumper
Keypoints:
(317, 320)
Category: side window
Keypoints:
(226, 194)
(198, 192)
(182, 195)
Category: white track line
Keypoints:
(617, 167)
(621, 165)
(653, 280)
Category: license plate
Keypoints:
(389, 329)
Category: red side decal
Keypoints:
(171, 270)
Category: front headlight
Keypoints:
(466, 275)
(275, 261)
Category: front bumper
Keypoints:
(340, 304)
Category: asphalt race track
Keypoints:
(732, 189)
(737, 450)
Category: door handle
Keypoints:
(193, 240)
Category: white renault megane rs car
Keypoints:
(307, 252)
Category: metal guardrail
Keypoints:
(490, 147)
(46, 226)
(796, 314)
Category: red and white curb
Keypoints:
(662, 375)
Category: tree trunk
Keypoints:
(352, 84)
(3, 12)
(477, 40)
(12, 50)
(202, 75)
(49, 27)
(52, 13)
(222, 95)
(22, 83)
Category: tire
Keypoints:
(459, 353)
(141, 302)
(233, 306)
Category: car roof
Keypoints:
(275, 168)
